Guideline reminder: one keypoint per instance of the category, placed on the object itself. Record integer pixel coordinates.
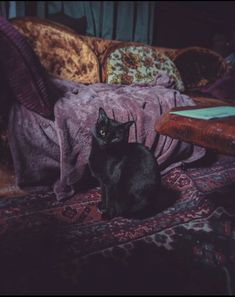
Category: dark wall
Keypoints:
(184, 23)
(192, 23)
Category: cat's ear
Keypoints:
(102, 115)
(127, 125)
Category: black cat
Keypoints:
(128, 173)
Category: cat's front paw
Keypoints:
(109, 214)
(101, 207)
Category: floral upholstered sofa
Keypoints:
(86, 59)
(56, 247)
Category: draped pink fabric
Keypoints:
(55, 153)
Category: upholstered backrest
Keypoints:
(169, 52)
(62, 52)
(128, 63)
(199, 66)
(99, 45)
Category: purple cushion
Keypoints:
(25, 76)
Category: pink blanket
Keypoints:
(54, 154)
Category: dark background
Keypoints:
(188, 23)
(179, 24)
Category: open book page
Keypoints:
(207, 113)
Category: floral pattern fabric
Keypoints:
(127, 64)
(62, 53)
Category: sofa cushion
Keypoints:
(62, 52)
(128, 63)
(199, 66)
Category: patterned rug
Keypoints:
(55, 247)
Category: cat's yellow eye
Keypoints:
(102, 132)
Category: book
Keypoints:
(207, 113)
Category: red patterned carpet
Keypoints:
(55, 247)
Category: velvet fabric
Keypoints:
(23, 73)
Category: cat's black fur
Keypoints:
(128, 173)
